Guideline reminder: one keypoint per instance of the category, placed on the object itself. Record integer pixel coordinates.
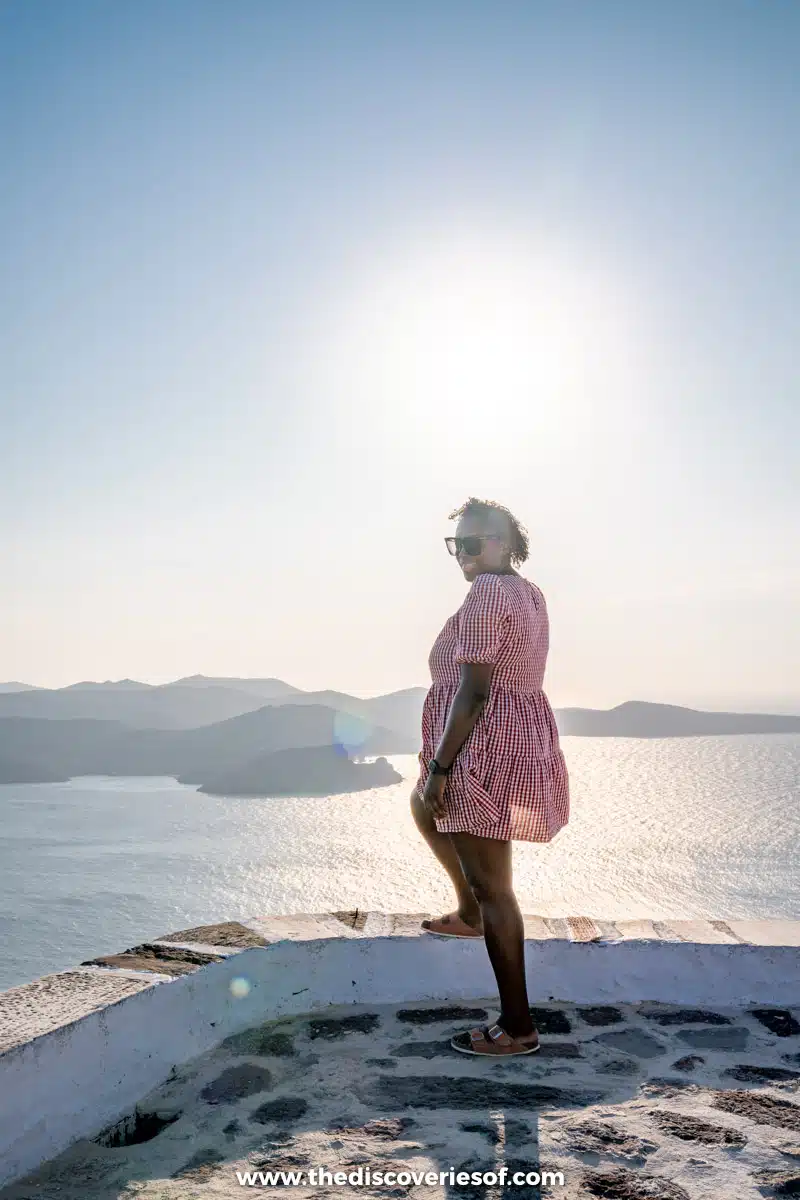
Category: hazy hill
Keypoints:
(16, 771)
(636, 718)
(18, 687)
(86, 747)
(312, 771)
(171, 706)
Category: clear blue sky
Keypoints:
(282, 283)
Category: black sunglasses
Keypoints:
(472, 546)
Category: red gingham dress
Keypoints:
(509, 780)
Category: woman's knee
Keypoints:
(422, 818)
(487, 889)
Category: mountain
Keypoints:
(171, 706)
(310, 771)
(199, 700)
(90, 747)
(15, 771)
(636, 718)
(267, 689)
(18, 687)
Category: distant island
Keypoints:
(227, 734)
(313, 771)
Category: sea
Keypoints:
(662, 828)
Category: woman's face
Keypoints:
(493, 551)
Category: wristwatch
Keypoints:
(436, 768)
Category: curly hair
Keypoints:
(481, 508)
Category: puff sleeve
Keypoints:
(482, 621)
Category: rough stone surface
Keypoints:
(462, 1092)
(229, 933)
(745, 1073)
(601, 1137)
(690, 1129)
(632, 1041)
(682, 1016)
(689, 1062)
(551, 1020)
(335, 1028)
(160, 959)
(245, 1079)
(763, 1109)
(430, 1016)
(262, 1042)
(778, 1021)
(339, 1095)
(622, 1184)
(36, 1008)
(601, 1014)
(286, 1108)
(732, 1038)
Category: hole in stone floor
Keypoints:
(135, 1128)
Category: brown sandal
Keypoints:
(492, 1042)
(451, 926)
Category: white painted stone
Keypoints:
(768, 933)
(92, 1069)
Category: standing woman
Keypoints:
(492, 770)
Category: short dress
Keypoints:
(509, 780)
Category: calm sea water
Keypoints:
(695, 827)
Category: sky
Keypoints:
(282, 284)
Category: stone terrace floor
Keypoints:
(635, 1103)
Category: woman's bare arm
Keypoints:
(467, 705)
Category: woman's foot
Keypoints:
(453, 925)
(493, 1042)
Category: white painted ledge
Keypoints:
(78, 1049)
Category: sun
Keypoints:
(462, 336)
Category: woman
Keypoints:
(492, 770)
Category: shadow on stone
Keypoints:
(235, 1083)
(135, 1129)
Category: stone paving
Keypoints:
(645, 1102)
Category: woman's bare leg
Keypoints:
(440, 843)
(486, 864)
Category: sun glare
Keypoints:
(459, 335)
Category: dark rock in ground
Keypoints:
(689, 1063)
(596, 1137)
(632, 1041)
(164, 960)
(619, 1066)
(666, 1088)
(231, 933)
(385, 1130)
(262, 1041)
(274, 1156)
(791, 1058)
(749, 1074)
(621, 1184)
(683, 1016)
(235, 1083)
(778, 1183)
(764, 1110)
(732, 1038)
(232, 1129)
(430, 1016)
(422, 1049)
(201, 1166)
(690, 1129)
(550, 1020)
(464, 1092)
(333, 1028)
(380, 1062)
(286, 1108)
(600, 1014)
(778, 1021)
(559, 1050)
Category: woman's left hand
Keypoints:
(433, 794)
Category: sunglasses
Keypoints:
(471, 546)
